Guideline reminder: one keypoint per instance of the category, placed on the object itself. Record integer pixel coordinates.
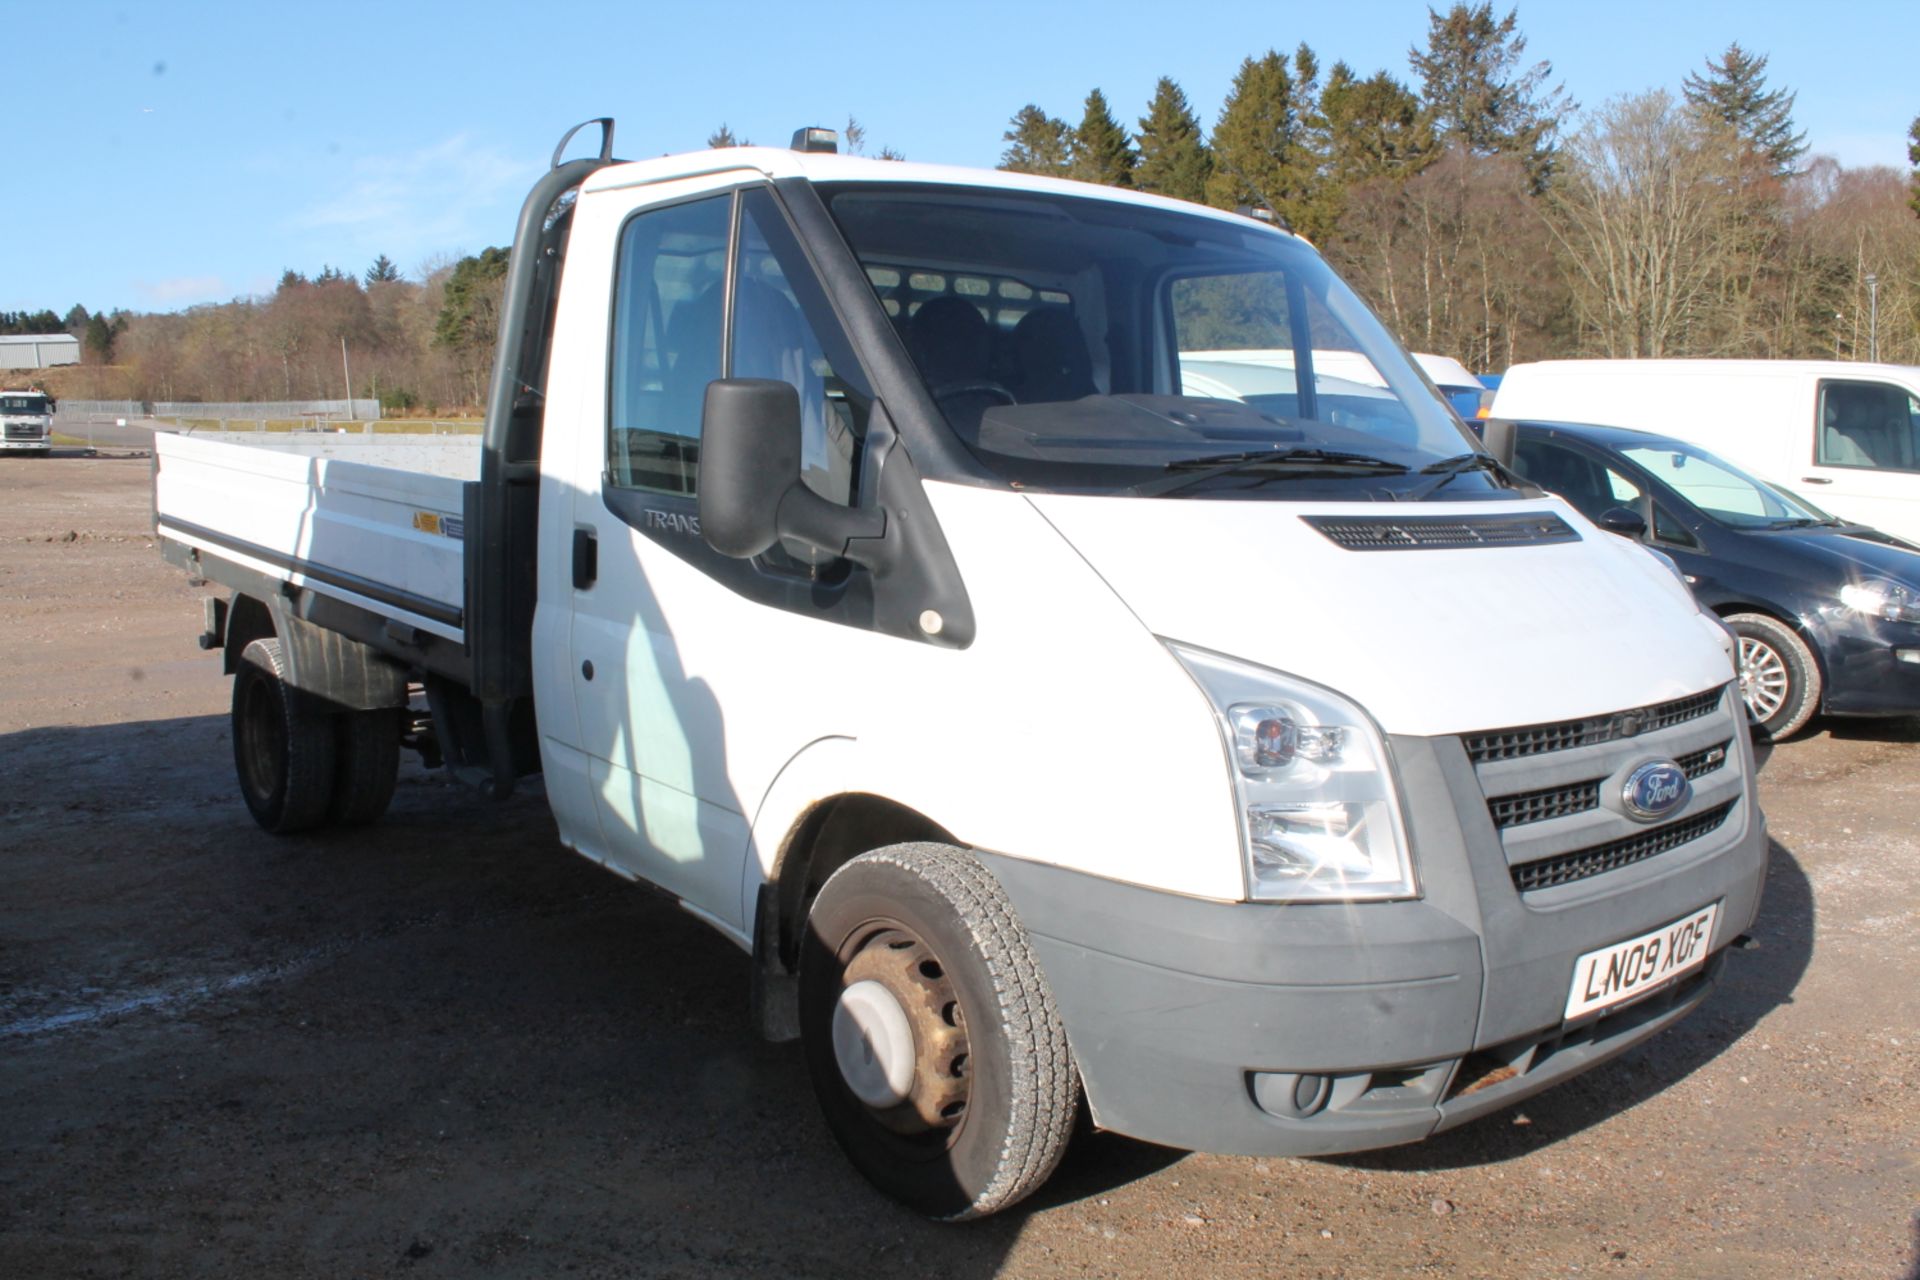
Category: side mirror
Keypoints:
(751, 494)
(1624, 521)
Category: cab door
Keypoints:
(1866, 454)
(695, 676)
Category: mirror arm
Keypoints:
(806, 516)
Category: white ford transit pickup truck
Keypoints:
(1274, 770)
(1842, 435)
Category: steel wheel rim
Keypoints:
(935, 1107)
(1763, 678)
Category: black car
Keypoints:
(1827, 613)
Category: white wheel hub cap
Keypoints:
(873, 1045)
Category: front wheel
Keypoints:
(931, 1035)
(1779, 680)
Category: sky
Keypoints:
(189, 152)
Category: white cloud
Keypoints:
(400, 204)
(177, 290)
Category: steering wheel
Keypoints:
(949, 390)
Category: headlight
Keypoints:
(1319, 814)
(1879, 598)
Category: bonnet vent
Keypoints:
(1414, 533)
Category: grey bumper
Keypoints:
(1193, 1021)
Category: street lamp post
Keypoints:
(1873, 317)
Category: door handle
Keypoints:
(1816, 480)
(586, 559)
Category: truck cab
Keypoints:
(26, 421)
(1267, 766)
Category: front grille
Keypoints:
(17, 432)
(1510, 744)
(1578, 797)
(1704, 762)
(1413, 533)
(1592, 861)
(1538, 806)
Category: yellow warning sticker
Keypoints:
(427, 521)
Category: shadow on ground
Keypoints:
(443, 1040)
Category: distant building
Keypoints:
(38, 350)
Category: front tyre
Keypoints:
(1779, 679)
(931, 1035)
(284, 747)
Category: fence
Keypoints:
(102, 410)
(349, 410)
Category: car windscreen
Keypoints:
(1092, 345)
(1720, 489)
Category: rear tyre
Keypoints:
(1779, 680)
(366, 765)
(284, 745)
(931, 1035)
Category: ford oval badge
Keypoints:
(1655, 790)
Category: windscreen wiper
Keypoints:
(1446, 469)
(1806, 522)
(1186, 472)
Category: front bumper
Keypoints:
(39, 445)
(1191, 1020)
(1865, 675)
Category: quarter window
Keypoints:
(784, 328)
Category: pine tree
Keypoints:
(1102, 151)
(99, 339)
(1478, 94)
(1269, 144)
(724, 137)
(76, 321)
(468, 313)
(1038, 143)
(1734, 92)
(382, 272)
(1375, 127)
(1173, 158)
(1913, 158)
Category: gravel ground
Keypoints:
(447, 1046)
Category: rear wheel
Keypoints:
(284, 745)
(1779, 680)
(931, 1034)
(366, 765)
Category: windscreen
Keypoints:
(1721, 489)
(23, 404)
(1092, 345)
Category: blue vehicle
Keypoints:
(1827, 613)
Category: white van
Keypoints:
(847, 554)
(1842, 435)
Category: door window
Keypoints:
(670, 340)
(1869, 425)
(1588, 487)
(667, 324)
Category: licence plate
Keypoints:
(1619, 973)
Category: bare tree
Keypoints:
(1644, 215)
